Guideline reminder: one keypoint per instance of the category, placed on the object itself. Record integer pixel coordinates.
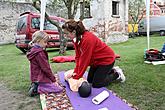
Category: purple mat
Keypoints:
(112, 102)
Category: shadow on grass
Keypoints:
(58, 49)
(53, 50)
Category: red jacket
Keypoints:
(40, 70)
(91, 51)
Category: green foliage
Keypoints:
(136, 10)
(144, 86)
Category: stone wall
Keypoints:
(101, 23)
(9, 12)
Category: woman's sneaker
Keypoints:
(121, 77)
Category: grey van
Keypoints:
(157, 25)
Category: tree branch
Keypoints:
(62, 40)
(66, 3)
(75, 7)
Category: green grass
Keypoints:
(144, 86)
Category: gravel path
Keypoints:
(12, 100)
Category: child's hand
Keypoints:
(58, 87)
(56, 84)
(53, 79)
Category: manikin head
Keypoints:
(84, 89)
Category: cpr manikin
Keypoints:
(78, 85)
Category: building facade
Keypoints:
(9, 13)
(108, 20)
(157, 7)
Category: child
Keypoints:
(42, 78)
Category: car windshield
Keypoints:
(47, 25)
(21, 24)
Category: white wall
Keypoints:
(102, 23)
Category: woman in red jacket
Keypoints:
(91, 51)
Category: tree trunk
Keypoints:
(70, 16)
(61, 35)
(82, 7)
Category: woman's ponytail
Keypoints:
(78, 26)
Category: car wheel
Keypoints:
(70, 48)
(23, 50)
(162, 33)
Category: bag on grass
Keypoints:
(153, 55)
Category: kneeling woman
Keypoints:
(91, 51)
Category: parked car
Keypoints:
(29, 22)
(157, 25)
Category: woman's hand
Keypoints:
(69, 74)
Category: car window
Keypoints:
(21, 24)
(47, 25)
(35, 23)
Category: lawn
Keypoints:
(144, 86)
